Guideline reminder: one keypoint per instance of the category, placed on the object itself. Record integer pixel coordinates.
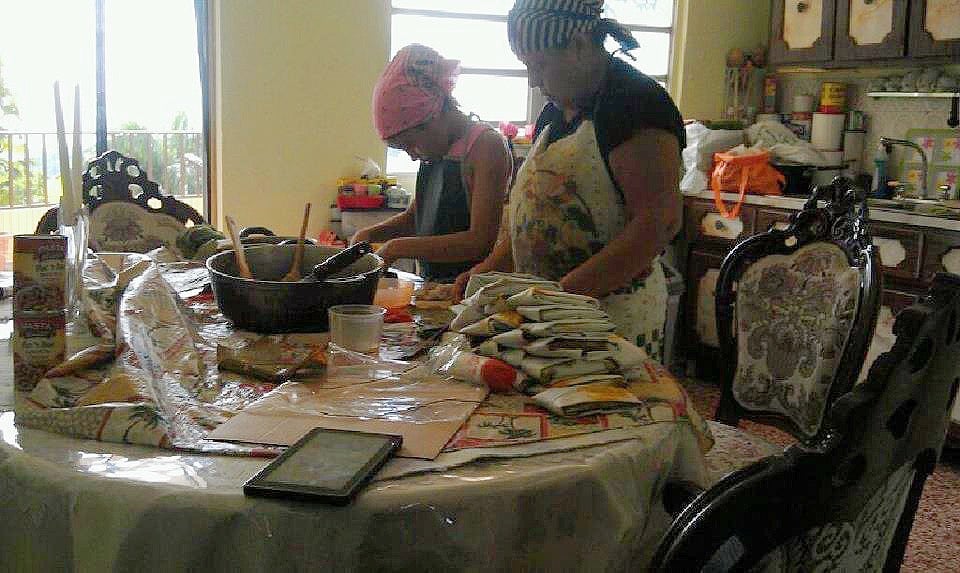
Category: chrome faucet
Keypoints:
(888, 142)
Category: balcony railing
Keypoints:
(30, 165)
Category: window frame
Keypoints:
(535, 101)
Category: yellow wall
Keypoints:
(706, 30)
(294, 81)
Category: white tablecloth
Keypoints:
(68, 504)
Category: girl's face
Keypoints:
(427, 141)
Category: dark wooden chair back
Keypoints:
(796, 310)
(127, 210)
(848, 502)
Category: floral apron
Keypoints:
(564, 208)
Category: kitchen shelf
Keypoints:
(944, 95)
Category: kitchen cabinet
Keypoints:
(849, 33)
(802, 31)
(935, 28)
(871, 29)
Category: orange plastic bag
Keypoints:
(740, 173)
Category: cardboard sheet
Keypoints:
(427, 412)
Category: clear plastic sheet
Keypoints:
(163, 388)
(360, 386)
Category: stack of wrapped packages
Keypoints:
(560, 346)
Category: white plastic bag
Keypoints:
(702, 143)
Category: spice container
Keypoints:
(39, 344)
(39, 273)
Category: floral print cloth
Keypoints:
(564, 208)
(510, 419)
(794, 314)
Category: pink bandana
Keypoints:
(412, 89)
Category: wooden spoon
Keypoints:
(293, 275)
(238, 249)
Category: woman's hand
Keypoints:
(460, 285)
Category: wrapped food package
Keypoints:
(586, 399)
(546, 370)
(586, 347)
(567, 327)
(495, 374)
(493, 325)
(553, 312)
(536, 296)
(479, 281)
(611, 379)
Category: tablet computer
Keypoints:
(324, 465)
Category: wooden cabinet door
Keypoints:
(704, 224)
(870, 29)
(770, 217)
(941, 255)
(934, 28)
(899, 249)
(802, 31)
(703, 269)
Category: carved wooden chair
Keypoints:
(127, 211)
(796, 310)
(847, 502)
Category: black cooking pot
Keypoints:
(799, 178)
(265, 304)
(263, 235)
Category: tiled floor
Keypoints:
(934, 544)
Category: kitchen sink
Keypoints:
(910, 204)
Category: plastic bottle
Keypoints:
(881, 158)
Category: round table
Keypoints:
(79, 504)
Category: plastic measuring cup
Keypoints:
(393, 293)
(356, 327)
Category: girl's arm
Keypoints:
(486, 171)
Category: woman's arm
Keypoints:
(399, 225)
(647, 169)
(486, 171)
(501, 259)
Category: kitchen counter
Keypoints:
(876, 213)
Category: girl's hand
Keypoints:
(388, 252)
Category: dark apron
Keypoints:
(443, 208)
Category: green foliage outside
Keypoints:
(8, 109)
(147, 148)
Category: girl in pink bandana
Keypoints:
(465, 168)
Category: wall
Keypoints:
(888, 117)
(294, 82)
(706, 31)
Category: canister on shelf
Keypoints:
(769, 94)
(39, 273)
(833, 97)
(39, 344)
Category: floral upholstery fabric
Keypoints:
(859, 546)
(734, 449)
(794, 314)
(125, 227)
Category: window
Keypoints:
(493, 82)
(152, 96)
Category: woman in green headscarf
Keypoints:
(597, 200)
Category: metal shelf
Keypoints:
(943, 95)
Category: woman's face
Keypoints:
(558, 75)
(427, 141)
